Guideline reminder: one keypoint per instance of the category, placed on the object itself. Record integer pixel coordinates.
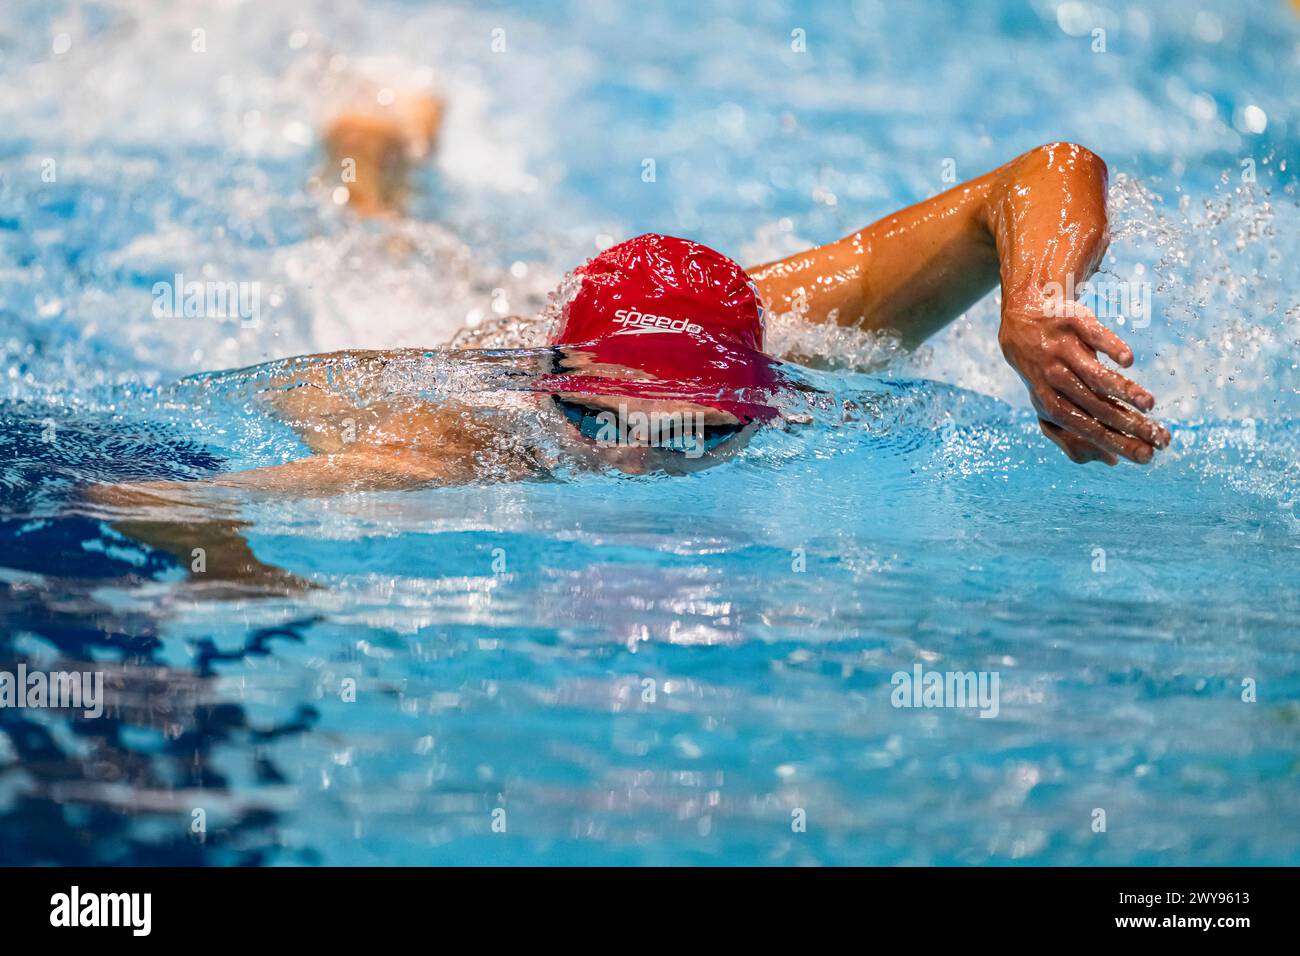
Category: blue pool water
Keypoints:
(663, 670)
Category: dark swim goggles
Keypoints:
(589, 422)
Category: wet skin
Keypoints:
(1038, 220)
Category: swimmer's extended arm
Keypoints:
(1038, 220)
(170, 516)
(402, 447)
(189, 518)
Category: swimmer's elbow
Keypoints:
(1067, 156)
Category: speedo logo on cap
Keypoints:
(645, 320)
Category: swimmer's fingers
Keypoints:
(1107, 410)
(1045, 342)
(1095, 335)
(1108, 382)
(1062, 411)
(1076, 449)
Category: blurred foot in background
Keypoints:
(374, 143)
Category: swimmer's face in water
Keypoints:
(657, 358)
(642, 436)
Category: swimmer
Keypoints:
(667, 327)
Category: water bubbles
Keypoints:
(731, 120)
(297, 132)
(828, 344)
(1250, 119)
(826, 197)
(1203, 108)
(1207, 27)
(1075, 19)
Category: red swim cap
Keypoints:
(669, 318)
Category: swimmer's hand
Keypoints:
(1036, 222)
(1092, 412)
